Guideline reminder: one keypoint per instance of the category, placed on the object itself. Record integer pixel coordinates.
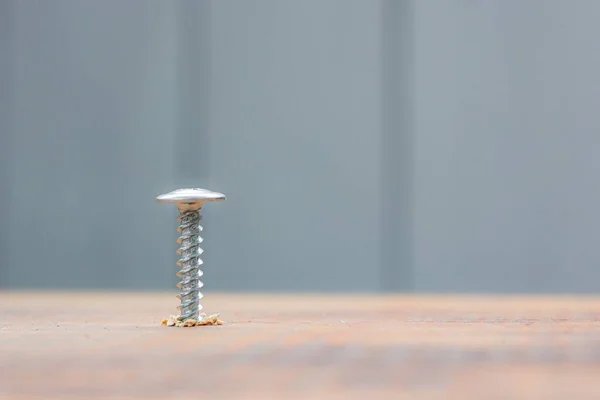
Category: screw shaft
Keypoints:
(190, 263)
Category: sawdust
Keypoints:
(205, 320)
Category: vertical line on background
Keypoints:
(193, 93)
(7, 132)
(397, 54)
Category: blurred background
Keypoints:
(364, 146)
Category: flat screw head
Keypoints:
(190, 199)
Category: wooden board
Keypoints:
(81, 345)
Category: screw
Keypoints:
(189, 203)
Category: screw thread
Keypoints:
(189, 263)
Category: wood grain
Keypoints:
(111, 345)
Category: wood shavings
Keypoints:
(205, 320)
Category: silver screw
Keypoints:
(190, 202)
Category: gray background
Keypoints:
(435, 145)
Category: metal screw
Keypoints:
(189, 202)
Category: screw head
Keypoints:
(190, 199)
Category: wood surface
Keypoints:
(111, 345)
